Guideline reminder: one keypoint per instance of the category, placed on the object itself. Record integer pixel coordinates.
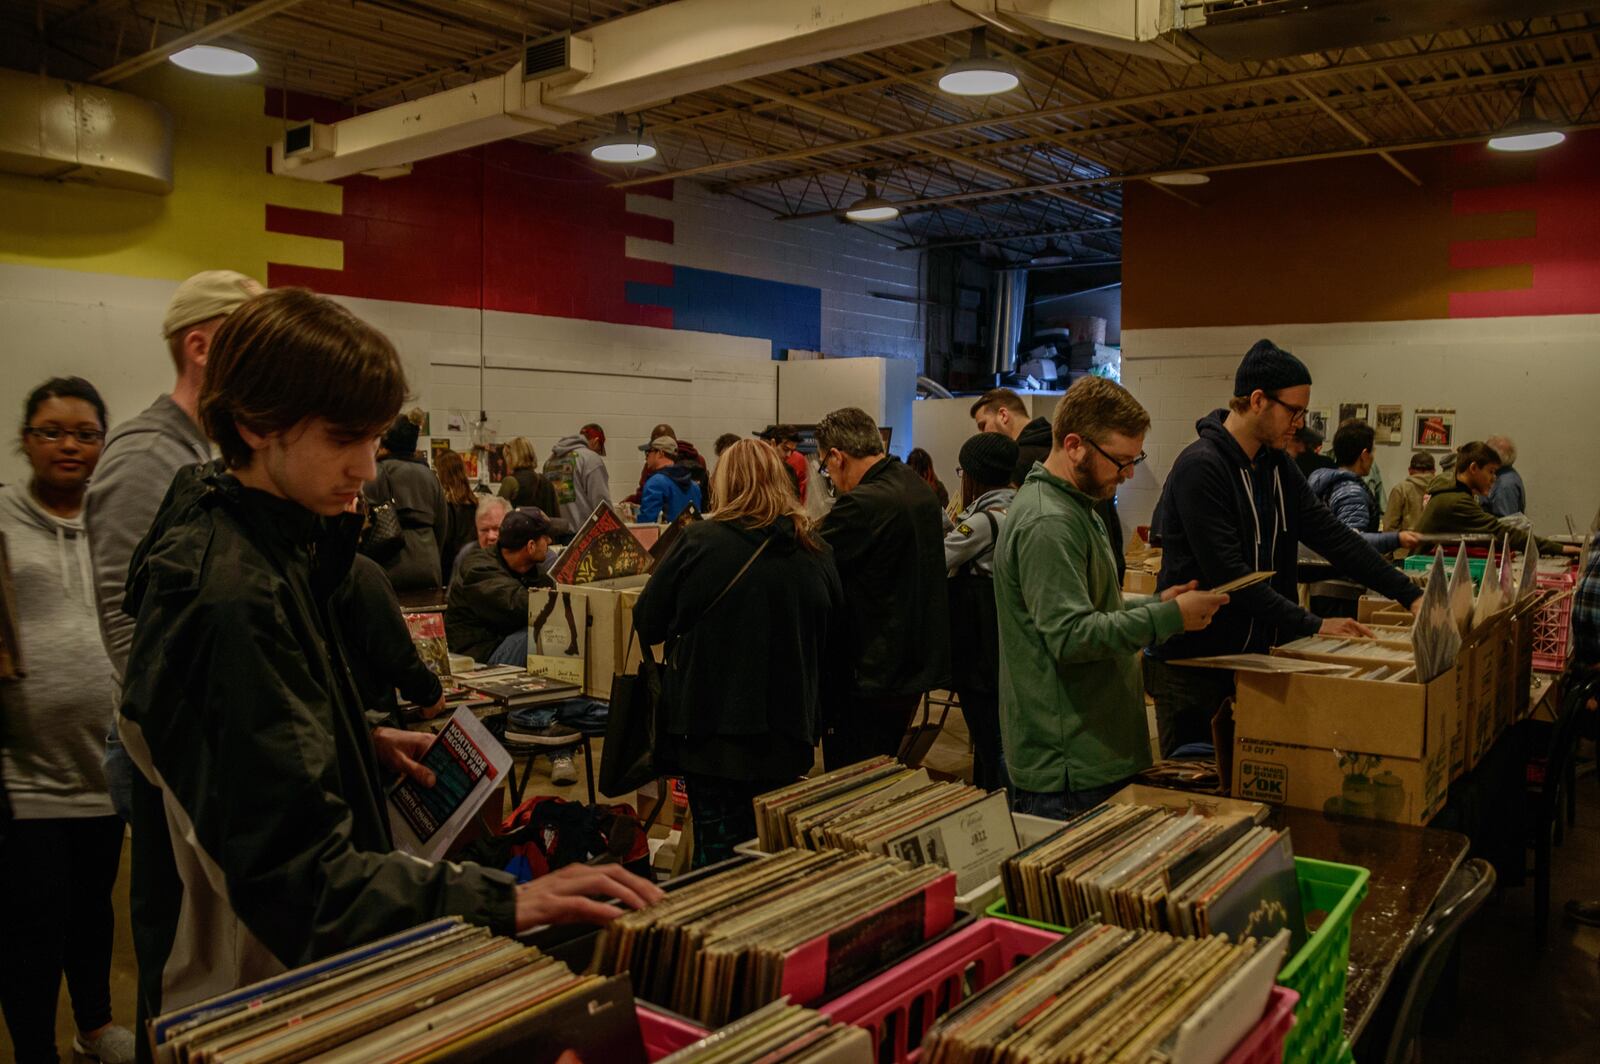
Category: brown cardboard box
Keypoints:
(1369, 606)
(1139, 582)
(1357, 747)
(610, 609)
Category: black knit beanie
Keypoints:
(989, 458)
(1270, 368)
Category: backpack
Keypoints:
(544, 834)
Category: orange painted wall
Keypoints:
(1352, 240)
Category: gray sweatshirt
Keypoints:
(53, 721)
(580, 479)
(142, 454)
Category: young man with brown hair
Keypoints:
(1002, 410)
(261, 839)
(1071, 701)
(1234, 503)
(1456, 508)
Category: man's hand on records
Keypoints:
(398, 751)
(567, 895)
(1346, 626)
(429, 712)
(1416, 606)
(1410, 540)
(1196, 606)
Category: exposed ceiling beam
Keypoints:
(1354, 130)
(94, 7)
(1063, 110)
(1007, 238)
(209, 32)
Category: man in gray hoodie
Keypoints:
(141, 456)
(579, 475)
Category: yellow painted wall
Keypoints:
(215, 217)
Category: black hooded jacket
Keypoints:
(260, 833)
(1034, 446)
(1223, 516)
(746, 685)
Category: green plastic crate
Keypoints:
(1317, 972)
(1422, 563)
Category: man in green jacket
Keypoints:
(1071, 695)
(1456, 508)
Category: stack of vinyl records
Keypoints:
(780, 1032)
(800, 924)
(1142, 867)
(1109, 994)
(441, 991)
(519, 689)
(881, 806)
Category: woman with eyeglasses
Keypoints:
(748, 603)
(60, 852)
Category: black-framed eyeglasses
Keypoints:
(1119, 463)
(52, 434)
(1296, 413)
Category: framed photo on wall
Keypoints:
(1354, 412)
(1317, 420)
(1390, 426)
(1436, 430)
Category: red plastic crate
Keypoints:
(899, 1006)
(1552, 625)
(665, 1033)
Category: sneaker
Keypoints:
(562, 769)
(550, 735)
(113, 1045)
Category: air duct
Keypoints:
(1008, 300)
(66, 131)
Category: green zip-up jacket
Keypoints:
(1071, 690)
(1456, 509)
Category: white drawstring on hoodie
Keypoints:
(1281, 522)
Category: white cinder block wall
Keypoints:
(1534, 379)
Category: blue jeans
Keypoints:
(513, 650)
(119, 775)
(1063, 805)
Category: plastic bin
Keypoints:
(665, 1032)
(1552, 626)
(1264, 1044)
(1317, 971)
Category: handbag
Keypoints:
(384, 533)
(628, 759)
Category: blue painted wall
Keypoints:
(790, 315)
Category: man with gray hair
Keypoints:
(1508, 496)
(492, 510)
(141, 456)
(887, 535)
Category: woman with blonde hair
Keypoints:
(746, 604)
(524, 485)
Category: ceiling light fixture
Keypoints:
(1529, 132)
(622, 146)
(872, 207)
(1185, 177)
(979, 74)
(210, 59)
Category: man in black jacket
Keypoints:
(487, 617)
(1235, 503)
(1002, 410)
(261, 840)
(887, 535)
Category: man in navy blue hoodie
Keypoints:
(1234, 502)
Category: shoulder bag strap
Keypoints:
(645, 648)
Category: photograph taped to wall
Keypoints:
(557, 626)
(1390, 426)
(1317, 420)
(1355, 412)
(455, 423)
(1435, 429)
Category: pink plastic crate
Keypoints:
(665, 1034)
(1552, 626)
(899, 1006)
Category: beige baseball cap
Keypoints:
(206, 295)
(665, 444)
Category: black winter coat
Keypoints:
(528, 487)
(261, 835)
(749, 672)
(488, 601)
(887, 537)
(1210, 530)
(382, 655)
(1034, 446)
(419, 501)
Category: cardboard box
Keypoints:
(1355, 747)
(1369, 606)
(610, 609)
(1139, 582)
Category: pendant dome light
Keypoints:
(872, 207)
(622, 146)
(211, 59)
(1529, 132)
(979, 74)
(1182, 177)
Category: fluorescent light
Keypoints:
(978, 74)
(1529, 132)
(1184, 178)
(210, 59)
(622, 146)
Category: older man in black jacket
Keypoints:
(888, 543)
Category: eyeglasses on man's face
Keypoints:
(1120, 463)
(1297, 414)
(54, 434)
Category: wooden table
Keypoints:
(1409, 868)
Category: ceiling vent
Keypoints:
(66, 131)
(559, 59)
